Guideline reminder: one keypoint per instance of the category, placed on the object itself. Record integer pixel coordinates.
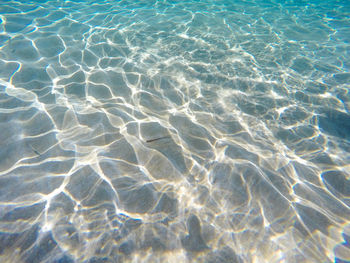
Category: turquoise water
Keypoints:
(174, 131)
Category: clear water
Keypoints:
(175, 131)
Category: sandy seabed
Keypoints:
(174, 131)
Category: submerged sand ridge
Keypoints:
(161, 131)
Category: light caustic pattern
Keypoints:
(174, 131)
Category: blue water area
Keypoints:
(174, 131)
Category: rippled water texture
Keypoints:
(174, 131)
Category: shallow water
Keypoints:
(174, 131)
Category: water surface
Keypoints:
(174, 131)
